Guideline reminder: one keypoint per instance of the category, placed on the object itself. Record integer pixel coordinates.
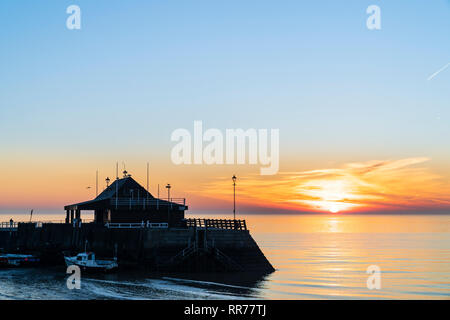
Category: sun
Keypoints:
(330, 195)
(334, 210)
(333, 207)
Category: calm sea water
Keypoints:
(316, 257)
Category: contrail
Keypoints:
(439, 71)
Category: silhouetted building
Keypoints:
(126, 201)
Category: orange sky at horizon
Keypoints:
(389, 185)
(377, 185)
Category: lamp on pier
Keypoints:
(234, 196)
(168, 191)
(169, 205)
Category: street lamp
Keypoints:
(168, 199)
(107, 181)
(168, 191)
(234, 196)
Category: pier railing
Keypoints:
(13, 226)
(143, 203)
(217, 224)
(162, 225)
(8, 226)
(61, 221)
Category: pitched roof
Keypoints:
(121, 186)
(124, 183)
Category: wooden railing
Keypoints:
(217, 224)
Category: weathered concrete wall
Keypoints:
(240, 246)
(154, 238)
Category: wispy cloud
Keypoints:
(374, 185)
(439, 71)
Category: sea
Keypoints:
(316, 256)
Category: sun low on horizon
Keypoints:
(373, 186)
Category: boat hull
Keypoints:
(107, 267)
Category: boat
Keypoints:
(18, 260)
(88, 262)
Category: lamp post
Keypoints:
(168, 200)
(107, 181)
(234, 196)
(168, 191)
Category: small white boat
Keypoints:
(87, 261)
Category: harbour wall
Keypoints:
(141, 247)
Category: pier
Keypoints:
(153, 247)
(144, 231)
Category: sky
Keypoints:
(363, 118)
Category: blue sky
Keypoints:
(137, 70)
(235, 63)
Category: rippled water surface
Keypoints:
(316, 257)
